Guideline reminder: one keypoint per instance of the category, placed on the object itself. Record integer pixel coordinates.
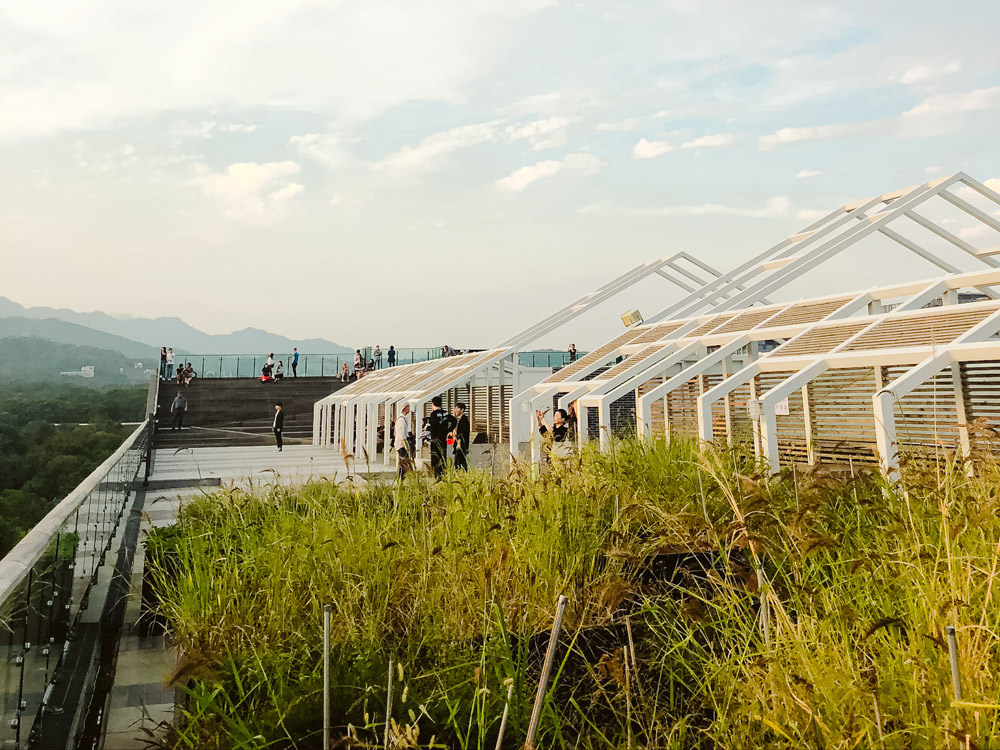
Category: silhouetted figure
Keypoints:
(279, 423)
(440, 424)
(462, 435)
(177, 408)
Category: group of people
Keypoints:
(185, 372)
(272, 372)
(442, 429)
(363, 365)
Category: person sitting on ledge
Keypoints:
(189, 374)
(279, 371)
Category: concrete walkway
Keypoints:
(248, 465)
(141, 702)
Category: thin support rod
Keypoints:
(956, 677)
(543, 681)
(327, 613)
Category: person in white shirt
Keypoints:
(170, 363)
(401, 440)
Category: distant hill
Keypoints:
(61, 332)
(31, 359)
(157, 332)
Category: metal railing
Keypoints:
(45, 588)
(330, 365)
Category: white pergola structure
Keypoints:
(682, 372)
(703, 366)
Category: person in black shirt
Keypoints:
(559, 430)
(462, 434)
(279, 423)
(440, 423)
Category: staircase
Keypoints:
(240, 411)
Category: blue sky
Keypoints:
(420, 172)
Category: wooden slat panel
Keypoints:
(598, 356)
(927, 417)
(808, 313)
(843, 419)
(921, 330)
(821, 340)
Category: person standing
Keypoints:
(295, 361)
(170, 363)
(357, 362)
(560, 432)
(440, 423)
(269, 364)
(401, 440)
(377, 357)
(462, 434)
(572, 353)
(279, 423)
(177, 408)
(163, 363)
(390, 356)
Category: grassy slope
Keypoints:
(451, 580)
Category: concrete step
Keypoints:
(241, 411)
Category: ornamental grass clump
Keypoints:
(708, 607)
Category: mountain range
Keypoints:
(135, 337)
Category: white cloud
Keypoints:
(993, 183)
(336, 199)
(805, 174)
(432, 153)
(775, 207)
(924, 73)
(934, 115)
(91, 65)
(811, 214)
(651, 149)
(577, 163)
(546, 132)
(788, 136)
(325, 148)
(257, 194)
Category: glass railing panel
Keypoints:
(46, 583)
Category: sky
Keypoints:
(415, 172)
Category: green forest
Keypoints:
(51, 438)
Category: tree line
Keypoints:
(51, 438)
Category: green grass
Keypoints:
(827, 630)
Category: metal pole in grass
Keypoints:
(327, 613)
(543, 681)
(506, 711)
(388, 706)
(956, 678)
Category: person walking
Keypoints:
(295, 361)
(462, 434)
(440, 423)
(177, 408)
(401, 441)
(377, 357)
(170, 363)
(390, 356)
(279, 423)
(163, 363)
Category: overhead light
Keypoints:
(631, 318)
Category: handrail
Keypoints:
(14, 568)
